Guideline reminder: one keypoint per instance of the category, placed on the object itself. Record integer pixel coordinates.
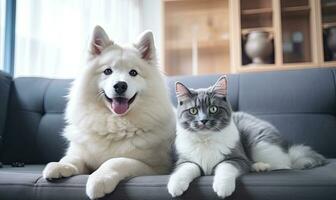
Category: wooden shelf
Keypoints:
(329, 64)
(257, 11)
(249, 30)
(251, 68)
(294, 3)
(327, 25)
(329, 8)
(295, 11)
(167, 1)
(182, 46)
(190, 13)
(296, 8)
(256, 18)
(329, 5)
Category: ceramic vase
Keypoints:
(259, 47)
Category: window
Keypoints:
(2, 32)
(52, 36)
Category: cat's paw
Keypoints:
(59, 170)
(176, 187)
(261, 167)
(98, 185)
(224, 187)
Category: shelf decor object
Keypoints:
(259, 47)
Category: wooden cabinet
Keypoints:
(297, 28)
(196, 37)
(210, 36)
(328, 22)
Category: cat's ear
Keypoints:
(220, 86)
(182, 92)
(99, 41)
(145, 45)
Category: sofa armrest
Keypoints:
(5, 83)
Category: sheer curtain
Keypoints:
(2, 31)
(52, 36)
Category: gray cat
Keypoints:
(211, 139)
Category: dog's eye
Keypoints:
(108, 71)
(133, 72)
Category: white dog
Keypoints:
(120, 122)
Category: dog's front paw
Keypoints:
(59, 170)
(176, 187)
(224, 187)
(261, 167)
(99, 185)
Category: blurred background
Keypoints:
(50, 38)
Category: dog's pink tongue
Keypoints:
(120, 106)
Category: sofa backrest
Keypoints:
(5, 82)
(35, 121)
(300, 103)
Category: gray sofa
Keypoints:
(301, 104)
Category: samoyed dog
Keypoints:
(120, 122)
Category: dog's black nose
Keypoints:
(204, 121)
(120, 87)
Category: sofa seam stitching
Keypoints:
(238, 94)
(44, 94)
(36, 181)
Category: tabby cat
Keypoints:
(214, 140)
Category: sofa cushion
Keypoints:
(300, 103)
(318, 183)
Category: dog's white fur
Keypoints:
(112, 146)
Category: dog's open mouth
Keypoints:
(120, 105)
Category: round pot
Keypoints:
(259, 47)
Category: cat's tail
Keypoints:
(304, 157)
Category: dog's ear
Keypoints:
(220, 86)
(182, 92)
(146, 47)
(99, 41)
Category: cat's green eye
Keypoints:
(193, 111)
(213, 109)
